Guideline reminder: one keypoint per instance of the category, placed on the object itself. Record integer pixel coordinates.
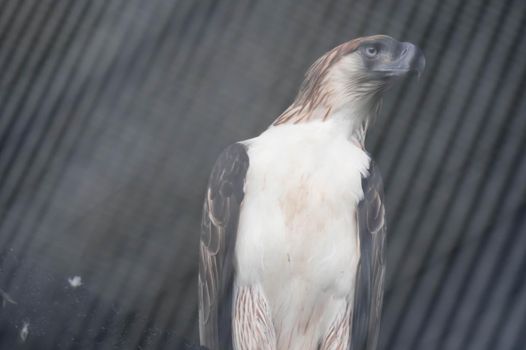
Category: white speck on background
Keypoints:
(6, 298)
(75, 281)
(24, 332)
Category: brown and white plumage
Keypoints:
(293, 230)
(218, 236)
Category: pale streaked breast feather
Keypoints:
(338, 336)
(252, 320)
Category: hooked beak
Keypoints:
(408, 58)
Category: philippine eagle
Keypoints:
(293, 231)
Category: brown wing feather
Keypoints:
(369, 290)
(218, 237)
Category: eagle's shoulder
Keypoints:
(219, 224)
(373, 201)
(368, 298)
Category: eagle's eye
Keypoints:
(371, 51)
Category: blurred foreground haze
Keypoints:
(113, 111)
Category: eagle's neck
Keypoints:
(351, 118)
(354, 120)
(335, 90)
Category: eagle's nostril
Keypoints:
(404, 51)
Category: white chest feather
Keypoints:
(297, 234)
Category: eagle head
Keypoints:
(381, 57)
(351, 79)
(363, 67)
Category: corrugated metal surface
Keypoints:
(112, 112)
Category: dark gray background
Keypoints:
(112, 113)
